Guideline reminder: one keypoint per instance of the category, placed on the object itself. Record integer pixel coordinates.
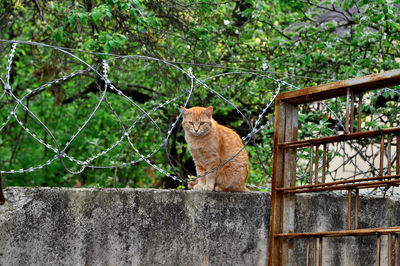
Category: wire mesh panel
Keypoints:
(359, 153)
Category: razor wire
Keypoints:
(61, 153)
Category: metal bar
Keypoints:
(316, 164)
(324, 164)
(337, 89)
(308, 252)
(311, 163)
(389, 154)
(396, 250)
(378, 250)
(351, 111)
(2, 199)
(314, 251)
(360, 96)
(356, 209)
(346, 124)
(375, 184)
(339, 138)
(320, 252)
(354, 181)
(289, 179)
(349, 209)
(273, 247)
(355, 168)
(381, 155)
(354, 232)
(398, 154)
(281, 204)
(389, 247)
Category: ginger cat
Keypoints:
(210, 145)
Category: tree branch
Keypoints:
(278, 30)
(93, 87)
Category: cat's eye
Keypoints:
(202, 123)
(190, 123)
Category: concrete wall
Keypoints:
(132, 227)
(41, 226)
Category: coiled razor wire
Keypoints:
(61, 154)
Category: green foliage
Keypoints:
(282, 39)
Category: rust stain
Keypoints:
(339, 88)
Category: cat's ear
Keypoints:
(184, 111)
(209, 111)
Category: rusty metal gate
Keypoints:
(284, 186)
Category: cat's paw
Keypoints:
(192, 183)
(218, 188)
(208, 187)
(198, 186)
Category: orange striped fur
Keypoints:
(210, 145)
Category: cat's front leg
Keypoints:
(210, 181)
(212, 170)
(201, 182)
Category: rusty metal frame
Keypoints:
(2, 199)
(284, 189)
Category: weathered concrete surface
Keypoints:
(329, 213)
(41, 226)
(132, 227)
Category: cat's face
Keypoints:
(197, 120)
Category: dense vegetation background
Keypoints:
(303, 43)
